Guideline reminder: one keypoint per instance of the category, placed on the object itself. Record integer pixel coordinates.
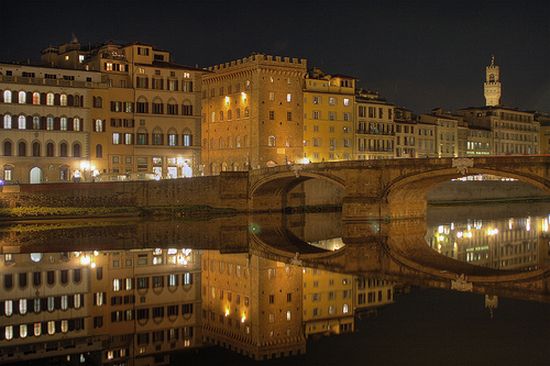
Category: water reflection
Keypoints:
(121, 307)
(511, 243)
(132, 293)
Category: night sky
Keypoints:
(419, 55)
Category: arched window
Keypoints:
(238, 112)
(63, 100)
(7, 148)
(76, 150)
(158, 137)
(22, 97)
(35, 98)
(271, 141)
(98, 102)
(35, 123)
(50, 149)
(49, 123)
(76, 124)
(77, 100)
(142, 137)
(172, 106)
(187, 138)
(7, 122)
(172, 137)
(22, 148)
(158, 107)
(49, 99)
(187, 108)
(70, 100)
(220, 143)
(36, 148)
(98, 151)
(7, 96)
(21, 122)
(63, 149)
(246, 112)
(63, 123)
(238, 141)
(142, 106)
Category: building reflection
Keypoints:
(135, 307)
(519, 243)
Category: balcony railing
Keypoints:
(51, 82)
(375, 132)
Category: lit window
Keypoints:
(49, 99)
(51, 303)
(36, 305)
(64, 326)
(9, 332)
(64, 302)
(128, 284)
(116, 284)
(63, 124)
(49, 123)
(63, 100)
(345, 309)
(7, 122)
(21, 123)
(8, 308)
(51, 327)
(23, 331)
(37, 329)
(289, 97)
(22, 97)
(288, 315)
(23, 306)
(77, 301)
(36, 123)
(7, 96)
(172, 280)
(116, 138)
(35, 98)
(346, 101)
(76, 124)
(187, 278)
(98, 125)
(271, 141)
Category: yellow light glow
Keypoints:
(84, 165)
(226, 100)
(243, 318)
(492, 232)
(96, 253)
(468, 235)
(226, 312)
(85, 260)
(93, 265)
(545, 225)
(243, 96)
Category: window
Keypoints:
(116, 284)
(187, 109)
(23, 306)
(289, 116)
(187, 309)
(158, 137)
(98, 151)
(271, 115)
(172, 138)
(22, 149)
(8, 333)
(271, 141)
(7, 96)
(63, 124)
(76, 124)
(23, 331)
(98, 126)
(289, 97)
(346, 102)
(8, 308)
(76, 150)
(7, 122)
(49, 99)
(63, 100)
(332, 101)
(187, 279)
(288, 315)
(49, 149)
(49, 123)
(316, 100)
(187, 139)
(64, 302)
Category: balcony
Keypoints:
(51, 82)
(374, 132)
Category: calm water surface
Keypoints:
(237, 290)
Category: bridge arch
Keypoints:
(271, 191)
(406, 195)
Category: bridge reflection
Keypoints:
(131, 292)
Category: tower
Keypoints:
(492, 86)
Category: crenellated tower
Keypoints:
(492, 87)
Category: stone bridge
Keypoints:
(394, 188)
(365, 189)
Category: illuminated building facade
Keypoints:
(45, 119)
(492, 88)
(252, 305)
(371, 293)
(148, 119)
(327, 302)
(446, 132)
(328, 116)
(374, 127)
(252, 112)
(405, 133)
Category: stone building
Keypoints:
(374, 131)
(252, 111)
(328, 116)
(405, 133)
(148, 120)
(45, 121)
(446, 132)
(492, 88)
